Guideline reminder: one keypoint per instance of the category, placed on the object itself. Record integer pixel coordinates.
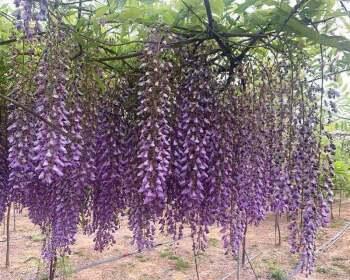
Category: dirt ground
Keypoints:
(175, 261)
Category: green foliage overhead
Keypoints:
(124, 21)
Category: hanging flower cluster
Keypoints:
(4, 172)
(152, 155)
(28, 17)
(172, 148)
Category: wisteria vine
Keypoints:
(174, 147)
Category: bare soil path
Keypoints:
(174, 261)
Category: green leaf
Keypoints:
(113, 5)
(218, 7)
(96, 26)
(302, 30)
(81, 23)
(248, 3)
(101, 11)
(132, 13)
(100, 83)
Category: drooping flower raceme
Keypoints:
(29, 18)
(20, 140)
(153, 148)
(195, 130)
(4, 169)
(108, 199)
(172, 146)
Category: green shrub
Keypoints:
(181, 264)
(278, 274)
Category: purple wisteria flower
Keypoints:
(172, 147)
(28, 17)
(153, 148)
(4, 168)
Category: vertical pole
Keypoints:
(244, 244)
(332, 215)
(4, 227)
(243, 252)
(238, 262)
(277, 230)
(251, 266)
(14, 218)
(195, 258)
(8, 236)
(196, 263)
(52, 268)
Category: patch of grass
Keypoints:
(213, 242)
(64, 266)
(271, 264)
(278, 274)
(339, 263)
(142, 258)
(341, 266)
(33, 259)
(322, 270)
(337, 259)
(165, 254)
(169, 255)
(336, 223)
(148, 277)
(327, 270)
(40, 273)
(128, 265)
(173, 257)
(181, 264)
(37, 237)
